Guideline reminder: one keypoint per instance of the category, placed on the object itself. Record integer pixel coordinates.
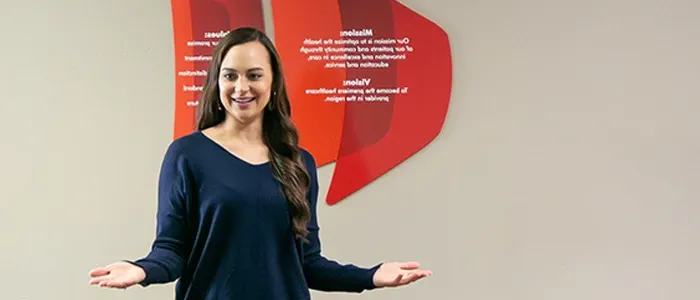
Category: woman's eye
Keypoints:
(255, 76)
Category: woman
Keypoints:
(237, 198)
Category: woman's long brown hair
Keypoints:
(279, 132)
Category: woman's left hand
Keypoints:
(394, 274)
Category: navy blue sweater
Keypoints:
(224, 231)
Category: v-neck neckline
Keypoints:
(231, 154)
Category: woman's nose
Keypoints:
(241, 85)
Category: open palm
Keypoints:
(117, 275)
(394, 274)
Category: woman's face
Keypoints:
(245, 82)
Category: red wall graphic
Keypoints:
(369, 80)
(197, 26)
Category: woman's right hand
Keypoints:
(117, 275)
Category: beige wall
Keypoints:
(566, 169)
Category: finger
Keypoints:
(119, 284)
(423, 272)
(411, 277)
(415, 276)
(112, 283)
(99, 272)
(107, 283)
(98, 280)
(410, 265)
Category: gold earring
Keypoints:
(270, 105)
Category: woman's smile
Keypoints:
(243, 102)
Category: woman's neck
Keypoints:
(248, 133)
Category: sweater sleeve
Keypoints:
(171, 246)
(320, 272)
